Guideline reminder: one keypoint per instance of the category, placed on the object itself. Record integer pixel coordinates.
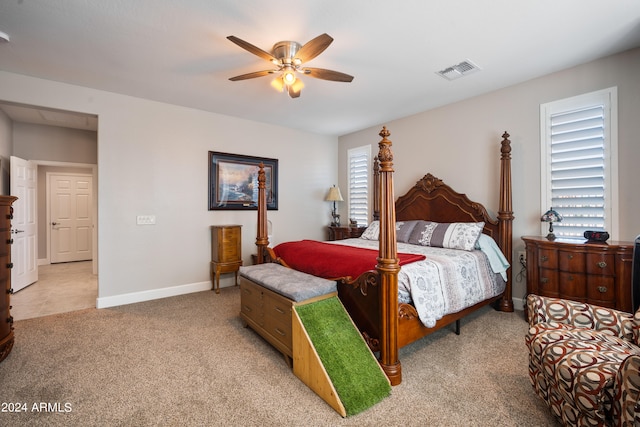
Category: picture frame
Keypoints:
(233, 181)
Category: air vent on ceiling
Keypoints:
(456, 71)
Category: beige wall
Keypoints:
(40, 142)
(459, 143)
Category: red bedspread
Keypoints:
(332, 261)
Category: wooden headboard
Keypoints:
(433, 200)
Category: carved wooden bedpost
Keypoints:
(376, 190)
(388, 266)
(262, 237)
(505, 216)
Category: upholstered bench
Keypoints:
(267, 294)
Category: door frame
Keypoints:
(94, 237)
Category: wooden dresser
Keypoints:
(226, 252)
(345, 232)
(595, 273)
(6, 321)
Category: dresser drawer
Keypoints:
(573, 285)
(601, 263)
(571, 261)
(548, 282)
(251, 301)
(547, 258)
(601, 288)
(277, 314)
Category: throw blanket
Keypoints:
(332, 261)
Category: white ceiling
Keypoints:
(177, 51)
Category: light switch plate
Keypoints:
(146, 219)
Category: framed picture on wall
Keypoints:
(233, 181)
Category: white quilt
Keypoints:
(447, 281)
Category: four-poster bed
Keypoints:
(372, 298)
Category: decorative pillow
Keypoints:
(372, 232)
(403, 230)
(455, 235)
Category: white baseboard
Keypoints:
(152, 294)
(518, 304)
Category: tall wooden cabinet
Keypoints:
(595, 273)
(226, 252)
(6, 321)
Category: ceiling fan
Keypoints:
(288, 57)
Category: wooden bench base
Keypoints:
(270, 314)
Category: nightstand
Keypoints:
(345, 232)
(226, 252)
(595, 273)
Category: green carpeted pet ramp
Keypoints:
(331, 358)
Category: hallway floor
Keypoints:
(60, 288)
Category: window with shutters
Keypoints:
(579, 163)
(359, 179)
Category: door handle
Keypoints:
(17, 231)
(54, 223)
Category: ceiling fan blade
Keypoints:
(253, 49)
(314, 47)
(252, 75)
(321, 73)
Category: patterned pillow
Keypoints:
(372, 232)
(403, 230)
(455, 235)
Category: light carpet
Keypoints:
(188, 360)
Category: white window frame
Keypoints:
(609, 99)
(365, 151)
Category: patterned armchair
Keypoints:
(584, 361)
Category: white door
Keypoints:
(24, 225)
(71, 216)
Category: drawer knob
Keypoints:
(602, 289)
(280, 332)
(279, 310)
(570, 256)
(10, 320)
(10, 291)
(602, 264)
(544, 258)
(544, 280)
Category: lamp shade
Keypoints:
(551, 216)
(334, 195)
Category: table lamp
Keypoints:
(334, 196)
(551, 216)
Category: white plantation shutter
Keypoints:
(577, 150)
(358, 163)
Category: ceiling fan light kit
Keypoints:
(288, 57)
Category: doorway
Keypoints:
(67, 144)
